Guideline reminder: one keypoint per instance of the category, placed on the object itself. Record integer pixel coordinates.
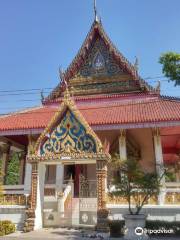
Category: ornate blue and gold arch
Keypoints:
(68, 133)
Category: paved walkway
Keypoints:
(61, 234)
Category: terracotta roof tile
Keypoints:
(101, 113)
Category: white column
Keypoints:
(59, 177)
(61, 206)
(40, 196)
(159, 164)
(122, 145)
(27, 178)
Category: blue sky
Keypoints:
(38, 36)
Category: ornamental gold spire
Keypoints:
(95, 12)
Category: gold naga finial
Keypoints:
(42, 95)
(61, 74)
(63, 80)
(158, 86)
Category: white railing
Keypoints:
(172, 185)
(68, 192)
(13, 189)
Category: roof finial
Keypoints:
(65, 84)
(61, 74)
(158, 86)
(136, 64)
(62, 77)
(95, 12)
(42, 95)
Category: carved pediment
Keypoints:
(68, 136)
(68, 133)
(99, 61)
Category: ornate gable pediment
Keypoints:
(100, 61)
(100, 68)
(68, 133)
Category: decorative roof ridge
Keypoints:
(83, 50)
(21, 111)
(165, 97)
(129, 64)
(147, 85)
(126, 102)
(59, 86)
(104, 96)
(98, 25)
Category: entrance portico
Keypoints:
(67, 141)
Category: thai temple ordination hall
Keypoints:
(61, 151)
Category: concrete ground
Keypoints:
(63, 234)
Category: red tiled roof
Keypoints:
(117, 112)
(102, 97)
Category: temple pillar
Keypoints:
(27, 178)
(101, 175)
(34, 179)
(5, 159)
(22, 168)
(159, 164)
(30, 219)
(59, 177)
(40, 196)
(28, 166)
(78, 169)
(122, 145)
(102, 212)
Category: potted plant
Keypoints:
(137, 187)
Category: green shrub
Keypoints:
(6, 227)
(157, 225)
(2, 231)
(116, 228)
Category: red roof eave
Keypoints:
(138, 113)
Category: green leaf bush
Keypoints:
(7, 227)
(157, 225)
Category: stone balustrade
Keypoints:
(13, 199)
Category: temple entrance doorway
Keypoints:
(72, 202)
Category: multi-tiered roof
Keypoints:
(107, 90)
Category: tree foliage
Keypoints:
(171, 66)
(12, 177)
(135, 185)
(1, 180)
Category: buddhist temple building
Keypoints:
(62, 150)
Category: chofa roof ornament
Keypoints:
(95, 12)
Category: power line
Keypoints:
(33, 111)
(51, 88)
(26, 89)
(153, 77)
(30, 91)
